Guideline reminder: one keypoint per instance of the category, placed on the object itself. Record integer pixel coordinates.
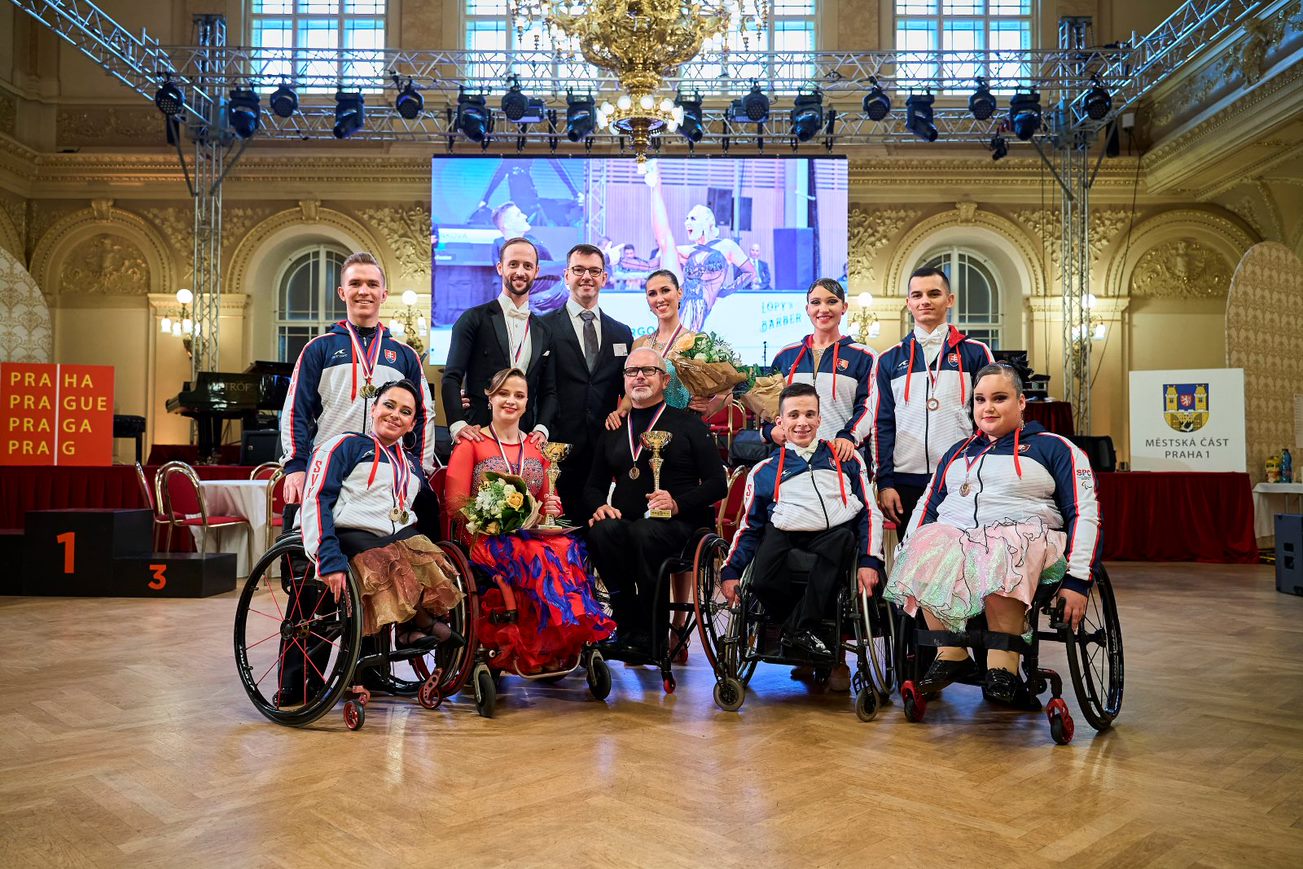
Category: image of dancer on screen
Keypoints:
(710, 267)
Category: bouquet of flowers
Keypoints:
(762, 398)
(502, 505)
(709, 366)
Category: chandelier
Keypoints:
(640, 42)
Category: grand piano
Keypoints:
(220, 395)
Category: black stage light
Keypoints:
(691, 127)
(918, 116)
(284, 102)
(1098, 102)
(350, 113)
(243, 112)
(750, 109)
(981, 103)
(581, 117)
(169, 99)
(520, 109)
(472, 116)
(807, 115)
(999, 147)
(409, 103)
(876, 102)
(1025, 115)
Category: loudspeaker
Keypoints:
(1099, 449)
(794, 259)
(260, 445)
(1289, 553)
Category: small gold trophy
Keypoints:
(556, 453)
(657, 441)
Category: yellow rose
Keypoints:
(515, 500)
(492, 528)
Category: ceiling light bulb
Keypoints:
(184, 296)
(646, 101)
(409, 298)
(624, 102)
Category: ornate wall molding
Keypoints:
(870, 229)
(13, 226)
(106, 125)
(988, 228)
(176, 223)
(8, 114)
(1213, 231)
(72, 249)
(1248, 57)
(406, 231)
(1181, 268)
(25, 331)
(272, 230)
(1043, 225)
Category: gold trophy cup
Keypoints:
(556, 453)
(656, 441)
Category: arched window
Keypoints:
(283, 29)
(977, 294)
(307, 301)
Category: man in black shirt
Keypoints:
(625, 544)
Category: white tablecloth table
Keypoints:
(246, 499)
(1270, 499)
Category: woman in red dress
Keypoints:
(547, 575)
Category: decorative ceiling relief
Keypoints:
(1181, 269)
(1248, 57)
(407, 230)
(8, 113)
(1043, 224)
(105, 265)
(870, 229)
(107, 126)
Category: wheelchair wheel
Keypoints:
(599, 676)
(715, 616)
(295, 647)
(730, 694)
(866, 704)
(486, 693)
(1095, 656)
(879, 636)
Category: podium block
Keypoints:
(71, 552)
(11, 557)
(173, 574)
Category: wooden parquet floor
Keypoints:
(126, 740)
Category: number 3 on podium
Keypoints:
(160, 579)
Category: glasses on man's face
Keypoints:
(644, 370)
(580, 271)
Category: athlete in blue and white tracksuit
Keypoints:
(352, 485)
(814, 503)
(1027, 475)
(921, 391)
(326, 393)
(843, 381)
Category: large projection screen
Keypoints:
(746, 236)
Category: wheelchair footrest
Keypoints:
(506, 617)
(975, 640)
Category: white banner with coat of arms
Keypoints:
(1189, 420)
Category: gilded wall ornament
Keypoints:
(1043, 224)
(407, 231)
(98, 126)
(105, 265)
(8, 113)
(870, 229)
(1181, 269)
(1248, 57)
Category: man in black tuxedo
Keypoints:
(588, 353)
(499, 334)
(625, 545)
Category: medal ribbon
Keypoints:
(629, 430)
(402, 474)
(841, 478)
(519, 467)
(836, 346)
(669, 345)
(367, 357)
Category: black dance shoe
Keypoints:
(809, 642)
(1003, 687)
(943, 672)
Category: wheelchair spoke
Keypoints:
(266, 615)
(263, 640)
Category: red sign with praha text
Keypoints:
(56, 414)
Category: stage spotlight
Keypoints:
(807, 115)
(981, 103)
(409, 103)
(876, 102)
(1025, 115)
(169, 99)
(999, 147)
(691, 127)
(350, 113)
(284, 102)
(1098, 102)
(750, 109)
(918, 116)
(243, 112)
(581, 117)
(472, 116)
(520, 109)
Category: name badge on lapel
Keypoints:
(620, 349)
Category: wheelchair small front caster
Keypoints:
(1061, 724)
(729, 694)
(866, 704)
(354, 714)
(912, 699)
(599, 677)
(669, 684)
(428, 695)
(486, 693)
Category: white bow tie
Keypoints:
(936, 337)
(518, 314)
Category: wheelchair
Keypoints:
(285, 607)
(1094, 655)
(738, 637)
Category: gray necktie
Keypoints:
(590, 338)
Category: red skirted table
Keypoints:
(1177, 516)
(1056, 416)
(49, 488)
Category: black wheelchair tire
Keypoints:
(1097, 676)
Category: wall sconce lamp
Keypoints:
(180, 324)
(863, 320)
(410, 325)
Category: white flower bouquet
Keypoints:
(709, 366)
(502, 505)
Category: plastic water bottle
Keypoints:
(1286, 466)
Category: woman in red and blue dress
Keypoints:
(546, 575)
